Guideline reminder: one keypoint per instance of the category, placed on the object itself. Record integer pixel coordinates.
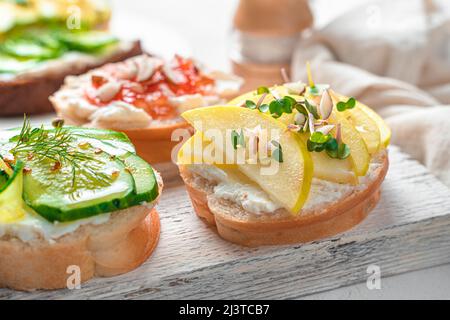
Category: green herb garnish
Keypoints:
(341, 151)
(238, 139)
(312, 109)
(280, 106)
(54, 145)
(319, 142)
(277, 154)
(277, 107)
(264, 108)
(250, 105)
(350, 104)
(23, 3)
(262, 90)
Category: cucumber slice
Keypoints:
(28, 49)
(91, 41)
(146, 186)
(115, 143)
(112, 142)
(56, 197)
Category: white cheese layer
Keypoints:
(67, 63)
(71, 103)
(33, 227)
(253, 199)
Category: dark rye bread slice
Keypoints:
(30, 94)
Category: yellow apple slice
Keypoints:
(334, 170)
(360, 112)
(193, 152)
(366, 127)
(325, 168)
(290, 183)
(363, 123)
(385, 131)
(188, 156)
(359, 155)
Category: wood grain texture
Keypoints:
(408, 230)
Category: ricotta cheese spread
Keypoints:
(253, 199)
(124, 95)
(33, 227)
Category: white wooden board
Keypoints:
(409, 230)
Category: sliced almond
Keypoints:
(297, 88)
(321, 122)
(108, 91)
(294, 127)
(300, 119)
(174, 76)
(312, 127)
(146, 69)
(325, 129)
(127, 70)
(275, 94)
(326, 105)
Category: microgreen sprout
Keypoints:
(308, 117)
(319, 142)
(262, 90)
(280, 106)
(238, 139)
(342, 106)
(277, 154)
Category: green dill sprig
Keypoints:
(55, 145)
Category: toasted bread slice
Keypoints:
(15, 94)
(236, 225)
(118, 246)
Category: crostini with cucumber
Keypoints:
(42, 42)
(73, 200)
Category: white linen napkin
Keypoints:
(393, 56)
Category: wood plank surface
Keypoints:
(408, 230)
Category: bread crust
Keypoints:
(282, 228)
(118, 246)
(15, 95)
